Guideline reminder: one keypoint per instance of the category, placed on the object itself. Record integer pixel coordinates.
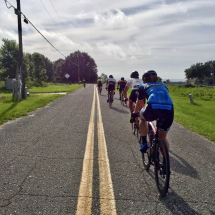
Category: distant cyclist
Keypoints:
(159, 106)
(83, 81)
(110, 86)
(99, 83)
(134, 83)
(121, 86)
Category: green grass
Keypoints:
(55, 88)
(10, 110)
(198, 117)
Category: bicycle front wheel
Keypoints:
(162, 167)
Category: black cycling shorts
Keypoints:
(165, 117)
(121, 89)
(99, 85)
(133, 96)
(111, 87)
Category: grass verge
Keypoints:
(198, 117)
(10, 110)
(55, 88)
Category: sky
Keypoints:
(167, 36)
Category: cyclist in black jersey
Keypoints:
(121, 86)
(110, 86)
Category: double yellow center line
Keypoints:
(107, 199)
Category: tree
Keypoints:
(58, 70)
(9, 58)
(159, 79)
(39, 68)
(80, 63)
(49, 66)
(199, 70)
(104, 77)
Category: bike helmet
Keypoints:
(147, 75)
(122, 78)
(110, 76)
(135, 74)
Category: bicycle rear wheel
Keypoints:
(162, 167)
(110, 101)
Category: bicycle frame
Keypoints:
(110, 98)
(162, 167)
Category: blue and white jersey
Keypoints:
(157, 95)
(111, 81)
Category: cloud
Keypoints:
(112, 50)
(121, 36)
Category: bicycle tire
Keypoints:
(138, 129)
(162, 167)
(132, 127)
(122, 99)
(110, 101)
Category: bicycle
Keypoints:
(136, 129)
(110, 99)
(100, 89)
(122, 100)
(157, 154)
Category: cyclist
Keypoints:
(83, 81)
(121, 86)
(134, 83)
(160, 106)
(110, 85)
(99, 84)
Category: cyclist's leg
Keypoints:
(146, 114)
(143, 126)
(132, 100)
(162, 135)
(108, 90)
(166, 120)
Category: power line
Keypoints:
(53, 20)
(42, 34)
(36, 29)
(58, 15)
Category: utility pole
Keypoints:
(78, 69)
(22, 74)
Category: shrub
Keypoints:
(2, 85)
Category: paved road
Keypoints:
(75, 155)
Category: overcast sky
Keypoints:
(122, 36)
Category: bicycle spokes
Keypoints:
(162, 167)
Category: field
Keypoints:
(14, 109)
(55, 88)
(199, 116)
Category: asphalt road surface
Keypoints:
(78, 156)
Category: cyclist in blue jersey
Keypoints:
(159, 106)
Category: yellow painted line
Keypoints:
(84, 205)
(107, 199)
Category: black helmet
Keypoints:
(135, 74)
(110, 76)
(122, 78)
(148, 75)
